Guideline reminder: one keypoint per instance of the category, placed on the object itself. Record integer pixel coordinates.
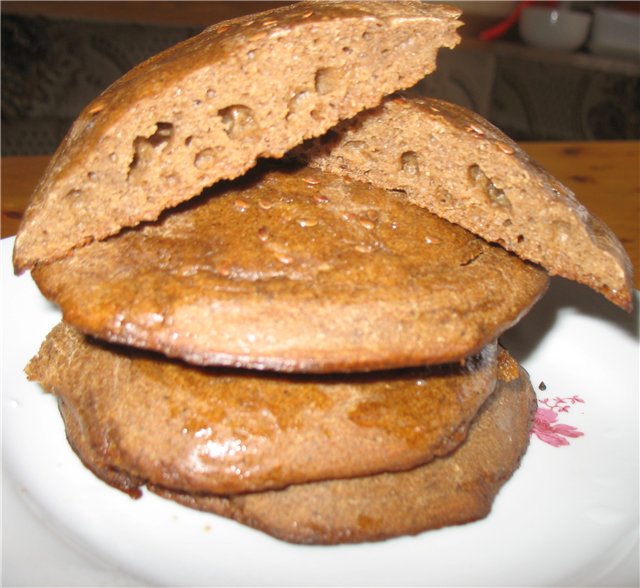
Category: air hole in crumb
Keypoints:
(409, 162)
(444, 196)
(495, 195)
(203, 159)
(145, 147)
(237, 120)
(188, 140)
(476, 174)
(520, 238)
(297, 102)
(160, 138)
(328, 79)
(398, 191)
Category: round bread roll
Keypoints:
(138, 418)
(455, 489)
(296, 270)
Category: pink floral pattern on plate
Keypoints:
(546, 426)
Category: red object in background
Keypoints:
(499, 29)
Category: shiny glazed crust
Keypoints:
(296, 270)
(146, 419)
(457, 488)
(452, 490)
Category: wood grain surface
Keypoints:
(604, 175)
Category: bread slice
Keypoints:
(207, 108)
(452, 490)
(462, 168)
(151, 419)
(296, 270)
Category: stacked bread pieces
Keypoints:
(303, 346)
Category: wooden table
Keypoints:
(604, 175)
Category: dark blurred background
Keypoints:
(57, 56)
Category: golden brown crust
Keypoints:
(136, 418)
(96, 460)
(296, 271)
(451, 490)
(207, 108)
(462, 168)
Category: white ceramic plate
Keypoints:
(568, 517)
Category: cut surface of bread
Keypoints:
(207, 108)
(451, 490)
(148, 419)
(296, 270)
(462, 168)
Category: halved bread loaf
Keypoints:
(462, 168)
(207, 108)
